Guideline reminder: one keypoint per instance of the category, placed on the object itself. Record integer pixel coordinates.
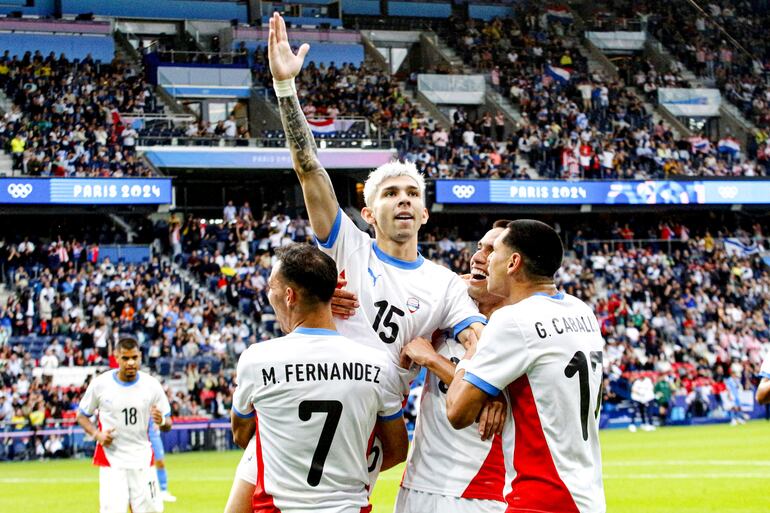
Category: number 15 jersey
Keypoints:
(400, 300)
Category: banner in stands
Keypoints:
(85, 191)
(690, 103)
(262, 158)
(618, 41)
(454, 89)
(604, 192)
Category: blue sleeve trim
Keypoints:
(398, 414)
(467, 322)
(243, 415)
(329, 242)
(765, 375)
(81, 410)
(167, 415)
(481, 384)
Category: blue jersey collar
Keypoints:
(396, 262)
(315, 331)
(124, 383)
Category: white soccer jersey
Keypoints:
(315, 396)
(126, 408)
(764, 371)
(470, 467)
(547, 353)
(399, 300)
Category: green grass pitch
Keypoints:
(684, 470)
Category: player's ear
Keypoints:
(291, 296)
(368, 215)
(514, 262)
(425, 215)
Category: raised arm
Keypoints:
(320, 200)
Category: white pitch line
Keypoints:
(75, 480)
(726, 475)
(676, 463)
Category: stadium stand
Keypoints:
(67, 116)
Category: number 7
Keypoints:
(333, 409)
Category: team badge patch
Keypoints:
(413, 304)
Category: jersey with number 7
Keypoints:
(546, 353)
(315, 396)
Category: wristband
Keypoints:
(461, 365)
(284, 88)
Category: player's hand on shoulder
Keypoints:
(106, 437)
(419, 350)
(344, 302)
(284, 64)
(492, 417)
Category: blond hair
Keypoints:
(392, 169)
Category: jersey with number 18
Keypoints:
(124, 407)
(315, 396)
(545, 352)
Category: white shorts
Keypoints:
(119, 487)
(247, 467)
(413, 501)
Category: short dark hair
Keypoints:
(126, 343)
(308, 268)
(538, 243)
(501, 223)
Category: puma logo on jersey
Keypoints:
(374, 278)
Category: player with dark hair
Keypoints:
(124, 401)
(312, 398)
(543, 348)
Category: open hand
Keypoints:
(284, 65)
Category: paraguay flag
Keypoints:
(561, 75)
(322, 126)
(729, 145)
(700, 144)
(559, 13)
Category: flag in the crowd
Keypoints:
(559, 13)
(700, 144)
(561, 75)
(322, 126)
(736, 247)
(729, 145)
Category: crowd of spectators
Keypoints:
(589, 125)
(704, 40)
(67, 117)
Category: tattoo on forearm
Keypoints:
(301, 141)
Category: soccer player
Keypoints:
(402, 295)
(472, 477)
(312, 398)
(160, 462)
(544, 348)
(763, 390)
(126, 399)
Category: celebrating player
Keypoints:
(312, 398)
(126, 399)
(545, 348)
(473, 476)
(402, 295)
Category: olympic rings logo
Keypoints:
(463, 191)
(19, 190)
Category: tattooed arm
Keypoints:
(320, 200)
